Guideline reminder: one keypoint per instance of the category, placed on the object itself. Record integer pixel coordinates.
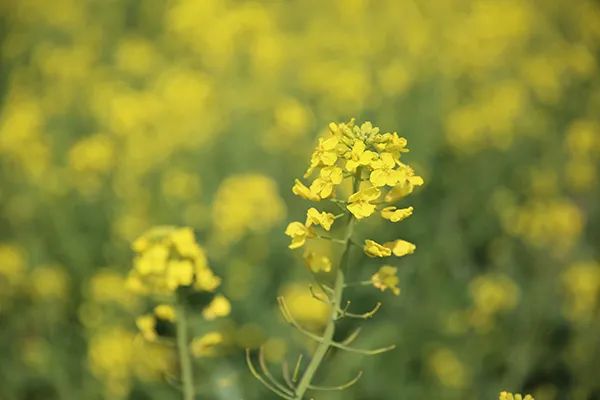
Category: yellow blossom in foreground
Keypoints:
(400, 247)
(405, 186)
(359, 204)
(165, 312)
(374, 249)
(299, 189)
(314, 217)
(218, 307)
(396, 214)
(328, 178)
(317, 263)
(359, 156)
(386, 278)
(383, 171)
(299, 233)
(325, 154)
(517, 396)
(206, 345)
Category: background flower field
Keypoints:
(117, 116)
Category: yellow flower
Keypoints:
(517, 396)
(386, 278)
(358, 156)
(374, 249)
(383, 171)
(396, 214)
(405, 186)
(317, 263)
(314, 217)
(325, 154)
(218, 307)
(359, 203)
(205, 279)
(328, 178)
(165, 312)
(396, 145)
(299, 189)
(169, 257)
(152, 261)
(206, 345)
(147, 326)
(185, 242)
(401, 247)
(299, 233)
(179, 273)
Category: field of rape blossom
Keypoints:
(161, 237)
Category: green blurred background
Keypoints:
(116, 116)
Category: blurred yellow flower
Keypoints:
(218, 307)
(207, 345)
(448, 368)
(317, 263)
(50, 282)
(581, 282)
(386, 278)
(167, 258)
(245, 204)
(165, 312)
(517, 396)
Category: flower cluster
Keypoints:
(509, 396)
(168, 258)
(367, 162)
(370, 158)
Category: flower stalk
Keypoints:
(371, 160)
(185, 362)
(327, 338)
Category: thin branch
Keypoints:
(339, 387)
(297, 368)
(316, 296)
(359, 283)
(352, 337)
(363, 351)
(262, 380)
(285, 372)
(332, 239)
(265, 370)
(366, 315)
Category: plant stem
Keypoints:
(185, 362)
(338, 289)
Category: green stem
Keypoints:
(325, 344)
(185, 362)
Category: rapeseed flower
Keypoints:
(517, 396)
(374, 249)
(386, 278)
